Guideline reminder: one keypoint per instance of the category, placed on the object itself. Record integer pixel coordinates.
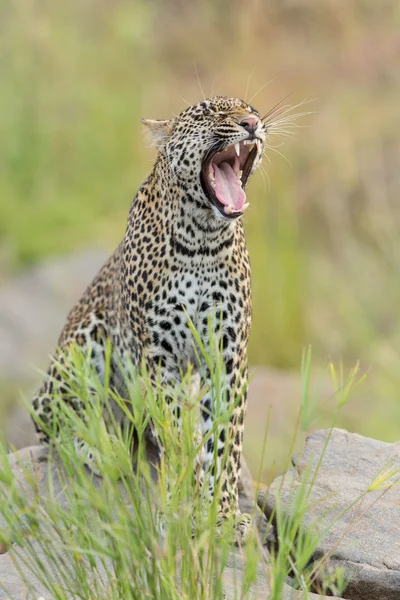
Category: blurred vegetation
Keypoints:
(323, 231)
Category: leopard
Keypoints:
(182, 262)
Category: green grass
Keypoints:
(104, 542)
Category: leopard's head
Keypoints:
(212, 148)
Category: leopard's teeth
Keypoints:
(229, 209)
(258, 143)
(249, 142)
(212, 182)
(237, 148)
(240, 173)
(245, 206)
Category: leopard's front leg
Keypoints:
(223, 445)
(173, 398)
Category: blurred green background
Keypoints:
(323, 231)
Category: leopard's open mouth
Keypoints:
(224, 176)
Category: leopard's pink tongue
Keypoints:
(227, 186)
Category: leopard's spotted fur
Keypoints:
(180, 253)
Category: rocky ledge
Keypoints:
(356, 505)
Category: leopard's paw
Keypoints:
(241, 523)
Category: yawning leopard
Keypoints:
(183, 256)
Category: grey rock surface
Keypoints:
(33, 308)
(14, 586)
(233, 576)
(364, 540)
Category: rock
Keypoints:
(364, 540)
(34, 459)
(33, 308)
(233, 577)
(20, 431)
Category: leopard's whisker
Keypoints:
(288, 134)
(264, 174)
(288, 108)
(290, 119)
(198, 81)
(277, 152)
(278, 106)
(261, 89)
(248, 82)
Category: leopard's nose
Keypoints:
(250, 124)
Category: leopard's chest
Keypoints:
(192, 298)
(167, 321)
(176, 278)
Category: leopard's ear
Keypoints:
(158, 131)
